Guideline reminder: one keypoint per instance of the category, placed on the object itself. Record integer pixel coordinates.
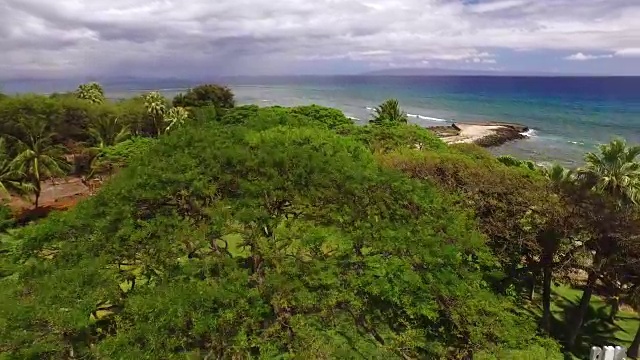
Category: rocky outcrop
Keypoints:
(506, 133)
(483, 134)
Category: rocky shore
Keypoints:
(483, 134)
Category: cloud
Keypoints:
(174, 38)
(494, 6)
(624, 53)
(630, 52)
(584, 57)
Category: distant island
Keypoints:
(460, 72)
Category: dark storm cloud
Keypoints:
(71, 37)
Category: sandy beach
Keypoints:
(483, 134)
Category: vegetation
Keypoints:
(248, 232)
(92, 92)
(220, 97)
(389, 112)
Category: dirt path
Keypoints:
(59, 194)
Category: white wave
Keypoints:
(265, 100)
(575, 142)
(422, 117)
(529, 133)
(370, 108)
(353, 118)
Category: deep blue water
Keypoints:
(569, 115)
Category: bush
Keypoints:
(255, 118)
(388, 138)
(332, 118)
(7, 219)
(132, 113)
(205, 114)
(118, 156)
(240, 115)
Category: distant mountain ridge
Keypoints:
(458, 72)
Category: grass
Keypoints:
(597, 330)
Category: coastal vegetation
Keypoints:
(234, 232)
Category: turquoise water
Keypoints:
(568, 116)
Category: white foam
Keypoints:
(529, 133)
(575, 142)
(370, 108)
(422, 117)
(353, 118)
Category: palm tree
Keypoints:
(38, 158)
(156, 106)
(176, 117)
(389, 112)
(92, 92)
(559, 175)
(107, 131)
(10, 178)
(553, 233)
(614, 173)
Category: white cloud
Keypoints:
(624, 53)
(181, 37)
(630, 52)
(584, 57)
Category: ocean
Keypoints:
(568, 116)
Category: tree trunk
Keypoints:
(37, 193)
(634, 349)
(578, 317)
(532, 292)
(545, 322)
(615, 307)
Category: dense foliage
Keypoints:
(220, 97)
(285, 242)
(249, 232)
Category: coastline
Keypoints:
(488, 134)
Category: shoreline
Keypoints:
(488, 134)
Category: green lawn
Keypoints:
(596, 330)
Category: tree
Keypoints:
(108, 131)
(613, 174)
(633, 298)
(176, 117)
(614, 171)
(156, 106)
(92, 92)
(11, 180)
(274, 243)
(557, 233)
(38, 157)
(206, 95)
(389, 112)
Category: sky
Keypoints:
(190, 38)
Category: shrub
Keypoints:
(388, 138)
(332, 118)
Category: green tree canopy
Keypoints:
(206, 95)
(91, 92)
(615, 171)
(389, 112)
(156, 105)
(286, 242)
